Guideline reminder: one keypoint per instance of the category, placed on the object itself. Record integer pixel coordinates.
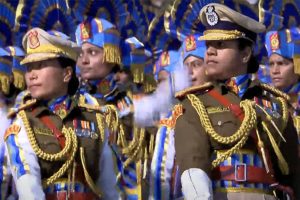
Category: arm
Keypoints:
(289, 151)
(147, 110)
(107, 181)
(192, 148)
(23, 162)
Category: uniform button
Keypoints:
(219, 123)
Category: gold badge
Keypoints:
(190, 43)
(274, 40)
(85, 30)
(213, 110)
(33, 40)
(165, 59)
(62, 113)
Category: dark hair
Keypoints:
(74, 83)
(253, 63)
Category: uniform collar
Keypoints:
(252, 90)
(43, 107)
(104, 86)
(239, 84)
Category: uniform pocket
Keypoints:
(47, 142)
(224, 123)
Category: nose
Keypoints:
(275, 69)
(84, 59)
(32, 75)
(210, 50)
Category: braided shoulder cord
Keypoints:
(248, 124)
(39, 152)
(101, 125)
(285, 111)
(70, 159)
(70, 147)
(275, 91)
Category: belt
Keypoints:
(242, 173)
(71, 196)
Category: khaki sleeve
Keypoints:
(192, 145)
(290, 152)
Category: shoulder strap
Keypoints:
(57, 133)
(235, 109)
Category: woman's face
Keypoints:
(224, 60)
(282, 71)
(47, 79)
(196, 70)
(90, 63)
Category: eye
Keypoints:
(220, 44)
(80, 55)
(93, 52)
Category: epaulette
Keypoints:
(171, 121)
(193, 89)
(13, 111)
(275, 91)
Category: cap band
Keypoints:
(229, 26)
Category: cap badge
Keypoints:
(165, 59)
(33, 40)
(211, 16)
(190, 43)
(274, 40)
(85, 29)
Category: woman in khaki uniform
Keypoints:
(57, 144)
(235, 138)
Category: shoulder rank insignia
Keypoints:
(193, 89)
(13, 129)
(274, 91)
(13, 111)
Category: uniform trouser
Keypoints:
(242, 196)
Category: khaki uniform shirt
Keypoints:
(195, 148)
(89, 132)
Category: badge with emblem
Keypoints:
(60, 110)
(190, 43)
(165, 59)
(211, 16)
(33, 40)
(104, 86)
(274, 40)
(85, 30)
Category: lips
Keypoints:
(34, 86)
(276, 79)
(211, 62)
